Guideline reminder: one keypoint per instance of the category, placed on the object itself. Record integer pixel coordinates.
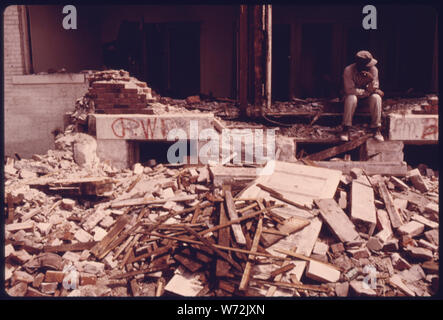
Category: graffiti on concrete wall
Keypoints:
(127, 128)
(408, 128)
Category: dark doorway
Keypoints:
(316, 58)
(173, 58)
(280, 62)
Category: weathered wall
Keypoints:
(53, 47)
(216, 39)
(35, 106)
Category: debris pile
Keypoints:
(79, 227)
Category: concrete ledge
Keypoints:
(49, 78)
(149, 127)
(384, 168)
(414, 128)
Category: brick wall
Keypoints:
(13, 52)
(34, 105)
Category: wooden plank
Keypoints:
(144, 201)
(232, 213)
(303, 257)
(28, 225)
(362, 204)
(100, 247)
(331, 152)
(290, 226)
(285, 268)
(296, 182)
(212, 247)
(224, 238)
(337, 220)
(80, 246)
(247, 272)
(394, 216)
(371, 167)
(186, 240)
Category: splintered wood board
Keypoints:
(298, 183)
(304, 240)
(337, 220)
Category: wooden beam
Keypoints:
(211, 246)
(247, 272)
(224, 238)
(331, 152)
(337, 220)
(232, 213)
(268, 35)
(394, 216)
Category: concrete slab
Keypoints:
(385, 151)
(150, 127)
(414, 127)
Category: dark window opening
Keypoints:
(316, 60)
(280, 62)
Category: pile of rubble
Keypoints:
(76, 226)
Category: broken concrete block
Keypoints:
(417, 180)
(374, 243)
(412, 229)
(85, 150)
(28, 225)
(432, 207)
(397, 282)
(399, 184)
(360, 289)
(71, 256)
(423, 220)
(384, 235)
(99, 233)
(22, 276)
(19, 290)
(138, 169)
(362, 205)
(320, 248)
(107, 222)
(44, 227)
(432, 236)
(26, 174)
(342, 289)
(93, 267)
(419, 253)
(337, 247)
(8, 250)
(321, 272)
(401, 203)
(425, 244)
(287, 147)
(167, 193)
(360, 253)
(48, 287)
(82, 236)
(342, 200)
(67, 204)
(356, 173)
(38, 279)
(398, 262)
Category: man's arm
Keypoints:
(349, 84)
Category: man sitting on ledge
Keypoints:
(361, 84)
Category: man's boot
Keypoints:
(344, 135)
(377, 134)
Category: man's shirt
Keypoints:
(354, 84)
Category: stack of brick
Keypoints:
(114, 89)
